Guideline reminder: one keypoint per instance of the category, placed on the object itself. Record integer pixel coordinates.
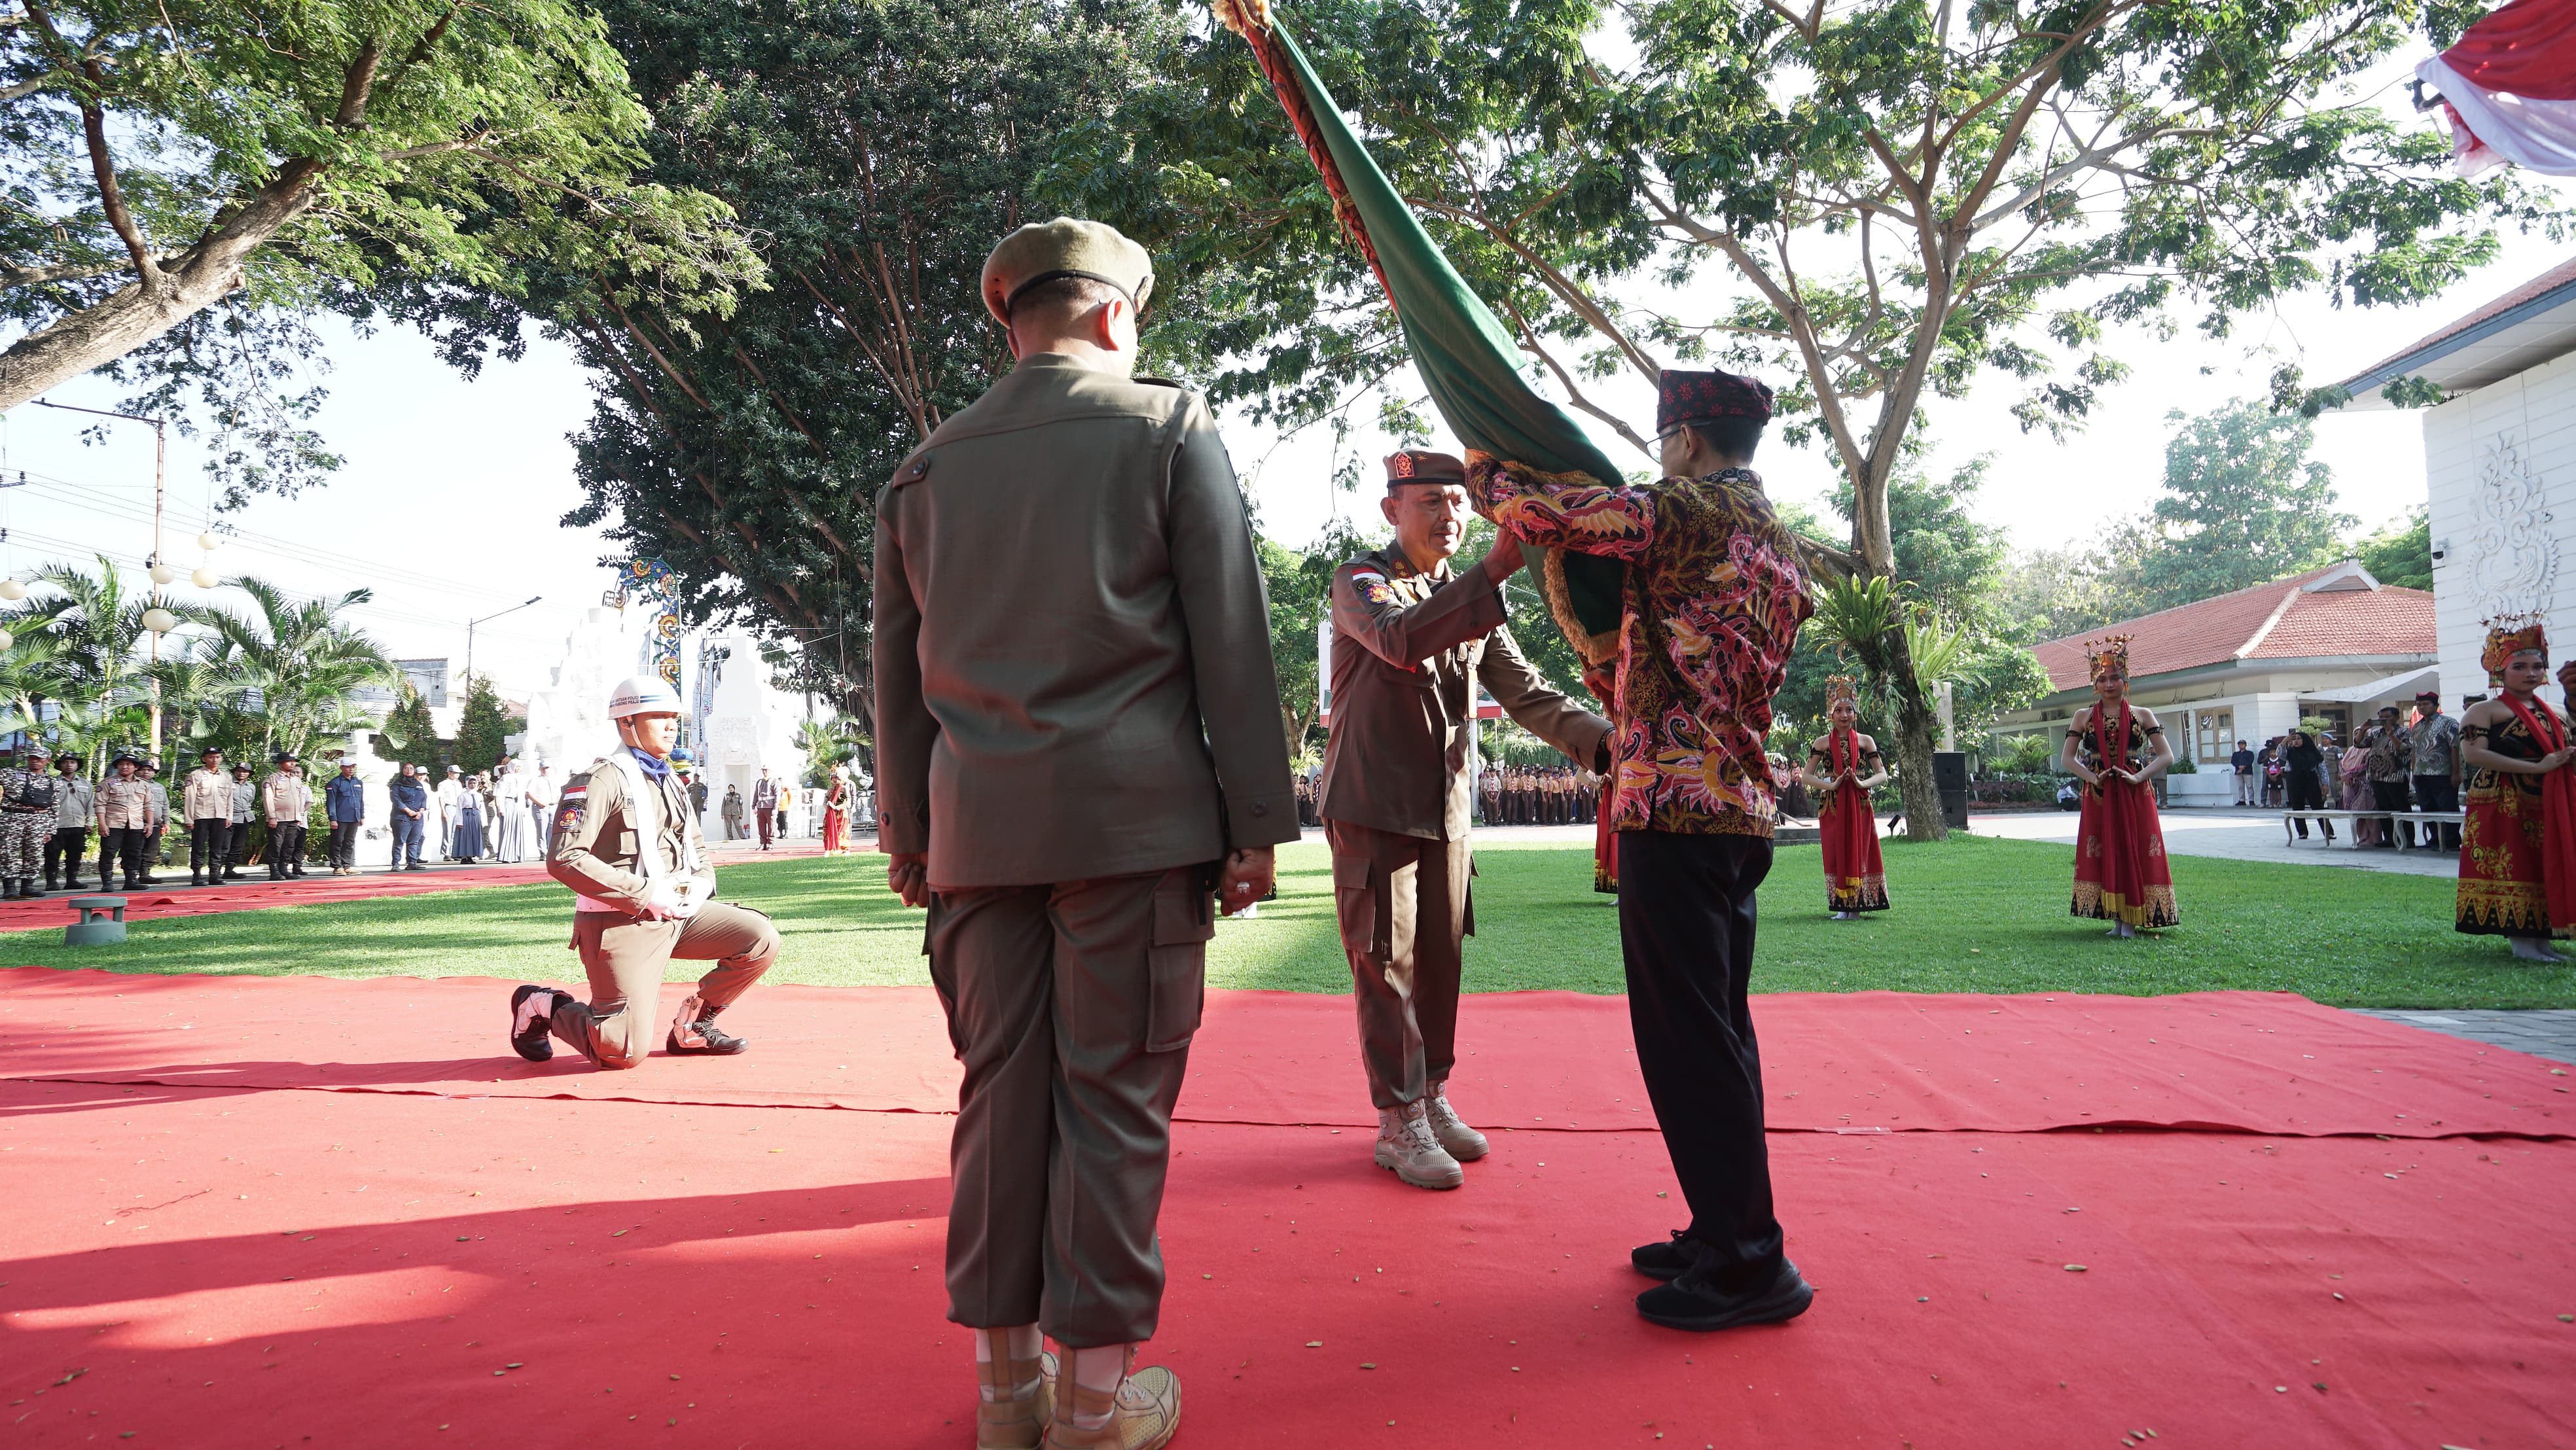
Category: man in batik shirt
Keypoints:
(1712, 600)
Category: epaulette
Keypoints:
(1162, 383)
(912, 470)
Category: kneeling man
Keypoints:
(1410, 641)
(627, 843)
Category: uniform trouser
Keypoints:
(344, 844)
(766, 820)
(1405, 912)
(65, 850)
(1686, 916)
(2245, 789)
(206, 843)
(237, 844)
(625, 957)
(407, 834)
(23, 835)
(2438, 793)
(1071, 1006)
(285, 847)
(125, 845)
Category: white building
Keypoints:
(2333, 643)
(2500, 465)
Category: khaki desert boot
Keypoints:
(1143, 1413)
(1011, 1420)
(1464, 1143)
(1405, 1144)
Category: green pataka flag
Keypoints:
(1465, 356)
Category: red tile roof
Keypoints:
(2269, 621)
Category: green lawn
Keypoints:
(1971, 915)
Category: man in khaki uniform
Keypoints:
(1410, 641)
(1078, 736)
(626, 842)
(286, 801)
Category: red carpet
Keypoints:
(1870, 1061)
(242, 1266)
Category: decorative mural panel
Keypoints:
(2512, 554)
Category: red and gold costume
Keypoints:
(2120, 869)
(1855, 879)
(2518, 846)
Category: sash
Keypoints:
(660, 884)
(2557, 815)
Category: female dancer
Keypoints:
(2357, 794)
(2517, 874)
(2120, 872)
(836, 810)
(1855, 881)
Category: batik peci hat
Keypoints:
(1683, 398)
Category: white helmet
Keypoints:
(642, 695)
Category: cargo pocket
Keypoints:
(1359, 902)
(1176, 961)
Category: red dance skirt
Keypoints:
(834, 823)
(2120, 871)
(1854, 878)
(2503, 886)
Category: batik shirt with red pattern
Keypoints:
(1710, 611)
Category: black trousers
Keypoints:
(2389, 795)
(64, 852)
(124, 845)
(344, 843)
(236, 845)
(285, 848)
(1686, 915)
(2307, 793)
(2438, 793)
(207, 836)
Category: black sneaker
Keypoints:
(1689, 1302)
(716, 1041)
(532, 1011)
(1664, 1261)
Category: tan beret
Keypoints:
(1065, 247)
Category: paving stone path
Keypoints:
(2549, 1033)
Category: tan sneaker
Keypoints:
(1405, 1144)
(1143, 1413)
(1011, 1420)
(1464, 1143)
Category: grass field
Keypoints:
(1971, 915)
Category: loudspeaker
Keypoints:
(1950, 778)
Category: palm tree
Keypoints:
(97, 633)
(290, 670)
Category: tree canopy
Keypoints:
(188, 180)
(876, 152)
(2243, 504)
(1908, 197)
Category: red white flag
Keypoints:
(2509, 87)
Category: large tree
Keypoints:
(2243, 505)
(1903, 196)
(876, 149)
(161, 158)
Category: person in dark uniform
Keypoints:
(1078, 736)
(1410, 642)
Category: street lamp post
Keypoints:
(160, 460)
(486, 619)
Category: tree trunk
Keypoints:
(137, 312)
(1916, 722)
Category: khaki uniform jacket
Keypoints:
(209, 795)
(599, 834)
(286, 797)
(1407, 647)
(1073, 666)
(125, 804)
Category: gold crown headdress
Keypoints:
(2108, 656)
(2509, 635)
(1839, 688)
